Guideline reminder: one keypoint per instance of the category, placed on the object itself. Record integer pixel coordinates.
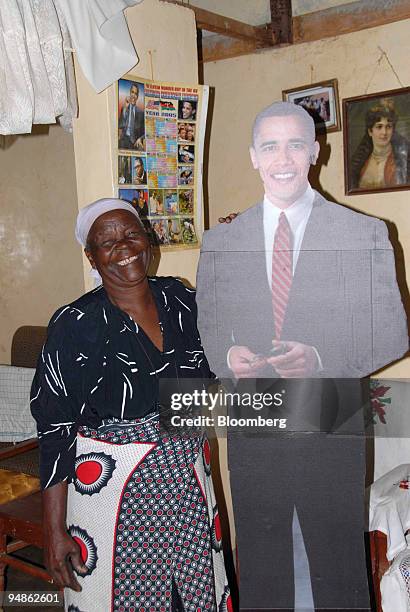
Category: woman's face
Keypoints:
(190, 133)
(118, 248)
(381, 132)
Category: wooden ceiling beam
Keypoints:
(348, 18)
(213, 22)
(343, 19)
(281, 20)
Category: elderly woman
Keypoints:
(130, 520)
(382, 158)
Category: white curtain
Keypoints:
(33, 67)
(37, 82)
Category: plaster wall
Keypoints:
(40, 264)
(164, 36)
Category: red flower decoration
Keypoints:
(378, 401)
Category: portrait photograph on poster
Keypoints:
(376, 134)
(185, 175)
(131, 116)
(171, 201)
(160, 229)
(188, 231)
(186, 132)
(186, 154)
(321, 99)
(156, 202)
(174, 231)
(138, 198)
(139, 174)
(125, 169)
(187, 109)
(186, 201)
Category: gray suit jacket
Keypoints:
(344, 298)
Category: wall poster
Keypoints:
(159, 152)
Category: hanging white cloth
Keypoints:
(100, 36)
(16, 90)
(43, 107)
(52, 53)
(71, 110)
(33, 66)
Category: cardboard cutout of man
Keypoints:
(303, 291)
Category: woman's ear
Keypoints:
(90, 257)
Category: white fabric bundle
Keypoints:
(100, 36)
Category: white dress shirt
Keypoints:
(297, 215)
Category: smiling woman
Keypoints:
(129, 511)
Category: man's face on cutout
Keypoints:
(282, 152)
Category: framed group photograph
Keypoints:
(321, 100)
(376, 133)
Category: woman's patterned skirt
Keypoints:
(142, 509)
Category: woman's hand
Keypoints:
(61, 552)
(61, 555)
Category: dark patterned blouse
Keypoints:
(97, 363)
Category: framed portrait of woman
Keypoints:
(376, 134)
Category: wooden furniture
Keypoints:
(21, 521)
(20, 518)
(26, 345)
(25, 350)
(19, 463)
(380, 564)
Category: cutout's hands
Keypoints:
(244, 363)
(229, 218)
(299, 360)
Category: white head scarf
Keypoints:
(90, 213)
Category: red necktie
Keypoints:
(281, 272)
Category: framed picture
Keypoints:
(376, 132)
(321, 100)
